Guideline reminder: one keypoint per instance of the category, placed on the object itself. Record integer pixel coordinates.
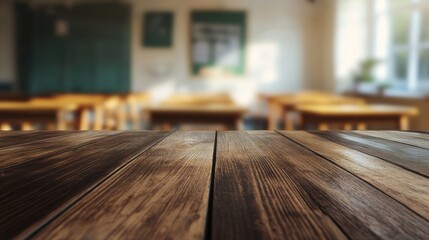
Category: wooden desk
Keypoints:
(197, 109)
(87, 104)
(198, 99)
(281, 105)
(229, 116)
(109, 110)
(208, 185)
(347, 115)
(27, 113)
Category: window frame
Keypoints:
(414, 45)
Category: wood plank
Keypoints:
(43, 148)
(412, 190)
(255, 198)
(32, 194)
(362, 211)
(163, 194)
(411, 138)
(13, 138)
(409, 157)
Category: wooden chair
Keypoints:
(135, 104)
(24, 115)
(89, 115)
(114, 114)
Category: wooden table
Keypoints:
(229, 116)
(349, 115)
(280, 105)
(214, 185)
(26, 113)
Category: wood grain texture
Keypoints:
(412, 190)
(406, 156)
(13, 138)
(264, 185)
(256, 198)
(362, 211)
(411, 138)
(33, 193)
(33, 151)
(162, 194)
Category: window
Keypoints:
(401, 34)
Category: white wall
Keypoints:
(284, 49)
(7, 58)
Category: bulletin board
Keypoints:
(218, 40)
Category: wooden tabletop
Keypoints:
(198, 104)
(294, 99)
(29, 106)
(214, 185)
(357, 109)
(213, 108)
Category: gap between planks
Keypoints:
(209, 215)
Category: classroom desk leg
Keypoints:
(273, 116)
(404, 123)
(61, 120)
(135, 117)
(287, 121)
(299, 122)
(82, 120)
(166, 126)
(26, 126)
(122, 119)
(323, 126)
(5, 127)
(98, 118)
(361, 126)
(239, 124)
(347, 126)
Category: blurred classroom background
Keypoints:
(214, 64)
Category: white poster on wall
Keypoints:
(201, 52)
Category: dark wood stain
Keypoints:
(256, 198)
(13, 138)
(28, 152)
(265, 185)
(362, 211)
(404, 155)
(162, 194)
(32, 193)
(412, 190)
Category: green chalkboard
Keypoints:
(218, 42)
(158, 29)
(93, 57)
